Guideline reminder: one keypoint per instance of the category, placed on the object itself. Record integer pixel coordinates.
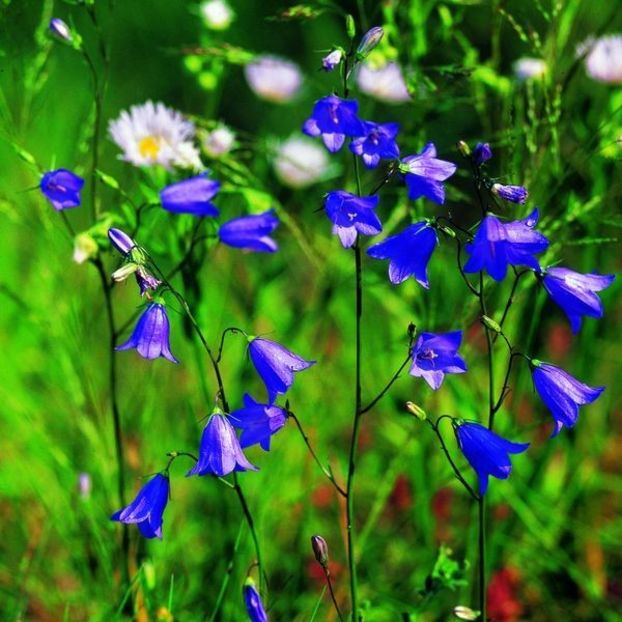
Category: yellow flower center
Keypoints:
(149, 147)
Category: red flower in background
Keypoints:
(503, 604)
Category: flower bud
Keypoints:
(463, 148)
(350, 26)
(121, 241)
(84, 485)
(515, 194)
(217, 14)
(219, 142)
(320, 550)
(465, 613)
(482, 153)
(488, 322)
(84, 248)
(149, 575)
(59, 28)
(124, 271)
(369, 41)
(416, 410)
(330, 61)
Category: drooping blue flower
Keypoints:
(330, 61)
(515, 194)
(258, 422)
(351, 215)
(252, 600)
(191, 196)
(424, 174)
(435, 355)
(575, 293)
(220, 452)
(251, 232)
(482, 153)
(147, 508)
(561, 393)
(333, 119)
(62, 188)
(275, 365)
(487, 452)
(377, 143)
(121, 241)
(409, 253)
(151, 334)
(498, 245)
(59, 28)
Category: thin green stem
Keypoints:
(389, 384)
(482, 555)
(332, 593)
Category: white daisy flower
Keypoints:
(152, 134)
(274, 79)
(385, 83)
(300, 162)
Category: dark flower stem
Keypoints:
(324, 470)
(225, 405)
(116, 416)
(395, 376)
(517, 277)
(332, 593)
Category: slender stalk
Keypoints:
(355, 431)
(116, 415)
(384, 391)
(482, 554)
(332, 593)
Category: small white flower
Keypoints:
(300, 162)
(603, 62)
(84, 248)
(217, 14)
(218, 142)
(529, 68)
(152, 134)
(385, 83)
(272, 78)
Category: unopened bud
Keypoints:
(330, 61)
(416, 410)
(464, 149)
(491, 324)
(320, 550)
(149, 575)
(350, 26)
(369, 41)
(121, 241)
(124, 271)
(466, 613)
(59, 28)
(448, 231)
(84, 485)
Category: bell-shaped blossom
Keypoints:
(251, 232)
(482, 153)
(274, 79)
(151, 334)
(487, 452)
(147, 508)
(300, 162)
(351, 215)
(275, 364)
(435, 355)
(121, 241)
(220, 452)
(331, 60)
(377, 143)
(385, 83)
(561, 393)
(424, 174)
(515, 194)
(62, 188)
(258, 422)
(575, 293)
(498, 245)
(191, 196)
(333, 119)
(252, 600)
(409, 252)
(369, 41)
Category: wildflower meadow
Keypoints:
(310, 311)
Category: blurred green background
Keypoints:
(555, 542)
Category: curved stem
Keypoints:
(510, 300)
(231, 329)
(324, 470)
(468, 283)
(332, 593)
(389, 384)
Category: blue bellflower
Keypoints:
(252, 600)
(121, 241)
(333, 119)
(378, 142)
(561, 393)
(147, 508)
(220, 452)
(330, 61)
(498, 245)
(575, 293)
(151, 334)
(191, 196)
(275, 365)
(515, 194)
(251, 232)
(351, 215)
(409, 253)
(62, 188)
(487, 452)
(425, 174)
(258, 422)
(435, 355)
(482, 153)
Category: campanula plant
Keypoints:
(435, 355)
(62, 188)
(351, 215)
(251, 233)
(258, 422)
